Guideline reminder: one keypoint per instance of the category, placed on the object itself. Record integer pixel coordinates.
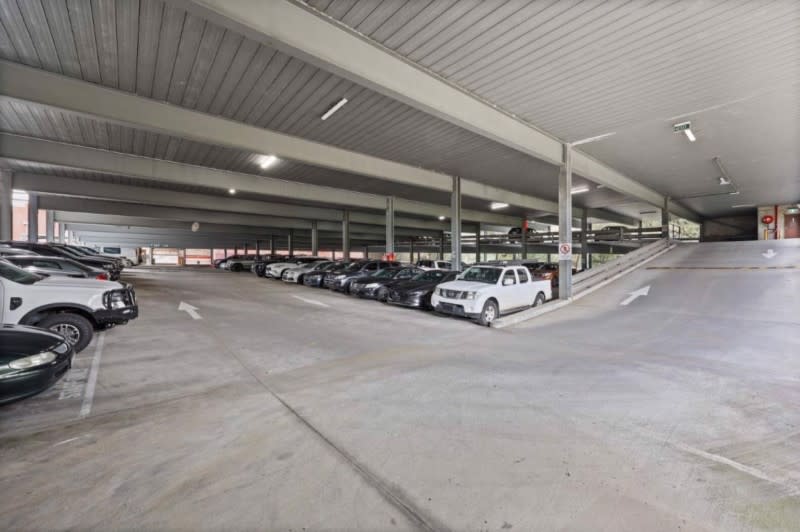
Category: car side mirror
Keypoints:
(507, 282)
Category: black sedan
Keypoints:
(417, 292)
(31, 360)
(341, 281)
(317, 277)
(376, 286)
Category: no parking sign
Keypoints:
(565, 251)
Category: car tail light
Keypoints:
(102, 276)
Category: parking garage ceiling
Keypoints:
(576, 69)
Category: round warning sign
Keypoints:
(565, 251)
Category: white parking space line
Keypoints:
(88, 396)
(311, 301)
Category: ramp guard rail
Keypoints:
(587, 279)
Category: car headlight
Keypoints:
(116, 299)
(373, 285)
(469, 295)
(440, 291)
(108, 266)
(32, 361)
(340, 277)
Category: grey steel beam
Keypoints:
(33, 217)
(46, 88)
(318, 39)
(25, 148)
(585, 240)
(6, 204)
(455, 223)
(565, 224)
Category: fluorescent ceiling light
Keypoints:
(441, 218)
(744, 205)
(338, 105)
(690, 135)
(266, 161)
(497, 205)
(723, 181)
(231, 191)
(735, 193)
(580, 190)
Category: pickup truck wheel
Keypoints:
(236, 267)
(489, 313)
(539, 300)
(76, 329)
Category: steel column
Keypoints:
(6, 204)
(258, 247)
(584, 240)
(411, 250)
(33, 217)
(50, 226)
(565, 223)
(525, 239)
(290, 242)
(441, 246)
(272, 245)
(390, 225)
(314, 238)
(665, 218)
(346, 235)
(478, 243)
(455, 223)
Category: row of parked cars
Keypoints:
(53, 298)
(482, 292)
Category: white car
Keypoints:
(485, 292)
(73, 308)
(433, 265)
(295, 275)
(275, 270)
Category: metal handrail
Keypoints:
(588, 278)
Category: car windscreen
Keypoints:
(432, 275)
(18, 275)
(386, 273)
(68, 252)
(482, 274)
(354, 266)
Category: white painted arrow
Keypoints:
(190, 310)
(633, 295)
(769, 254)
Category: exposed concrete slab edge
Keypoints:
(526, 315)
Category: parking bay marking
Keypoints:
(191, 310)
(311, 301)
(88, 397)
(635, 294)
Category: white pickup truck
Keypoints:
(485, 292)
(74, 308)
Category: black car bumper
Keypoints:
(455, 310)
(361, 290)
(312, 280)
(31, 382)
(408, 300)
(116, 316)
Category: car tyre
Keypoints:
(236, 267)
(540, 299)
(383, 295)
(76, 329)
(489, 313)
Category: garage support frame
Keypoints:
(455, 224)
(565, 224)
(6, 204)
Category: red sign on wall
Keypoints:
(767, 219)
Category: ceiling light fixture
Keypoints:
(266, 161)
(338, 105)
(231, 191)
(497, 205)
(723, 181)
(580, 190)
(686, 128)
(441, 218)
(743, 206)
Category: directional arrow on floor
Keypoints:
(633, 295)
(769, 254)
(190, 310)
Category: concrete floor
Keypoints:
(288, 408)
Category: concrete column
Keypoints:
(584, 240)
(441, 246)
(524, 240)
(411, 250)
(33, 217)
(314, 238)
(478, 243)
(455, 224)
(258, 247)
(665, 218)
(390, 225)
(272, 245)
(565, 223)
(50, 229)
(245, 249)
(290, 242)
(6, 205)
(346, 235)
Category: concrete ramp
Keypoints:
(720, 280)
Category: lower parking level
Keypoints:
(263, 405)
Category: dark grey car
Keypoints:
(57, 266)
